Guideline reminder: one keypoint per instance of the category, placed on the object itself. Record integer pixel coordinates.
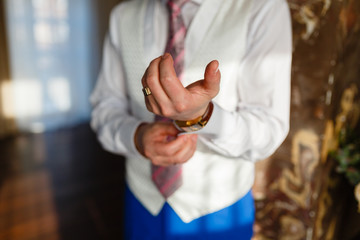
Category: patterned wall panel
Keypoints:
(298, 193)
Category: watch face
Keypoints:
(195, 127)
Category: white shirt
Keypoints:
(254, 130)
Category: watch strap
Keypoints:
(197, 123)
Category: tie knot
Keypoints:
(175, 5)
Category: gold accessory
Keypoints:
(146, 91)
(197, 123)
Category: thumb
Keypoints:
(212, 77)
(168, 128)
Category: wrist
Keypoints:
(139, 133)
(196, 123)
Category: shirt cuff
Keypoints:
(129, 129)
(220, 124)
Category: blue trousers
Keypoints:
(233, 222)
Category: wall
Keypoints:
(298, 193)
(7, 123)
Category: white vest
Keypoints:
(218, 31)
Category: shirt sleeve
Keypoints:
(261, 122)
(111, 119)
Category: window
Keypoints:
(51, 58)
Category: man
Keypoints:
(204, 113)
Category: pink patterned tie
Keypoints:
(169, 179)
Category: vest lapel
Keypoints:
(199, 27)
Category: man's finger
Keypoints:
(212, 77)
(166, 129)
(187, 151)
(182, 153)
(210, 85)
(173, 146)
(161, 161)
(152, 80)
(169, 81)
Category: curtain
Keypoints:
(7, 123)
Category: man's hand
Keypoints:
(170, 99)
(159, 142)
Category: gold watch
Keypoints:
(197, 123)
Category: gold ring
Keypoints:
(146, 91)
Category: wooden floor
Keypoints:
(60, 185)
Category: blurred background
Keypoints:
(57, 183)
(55, 180)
